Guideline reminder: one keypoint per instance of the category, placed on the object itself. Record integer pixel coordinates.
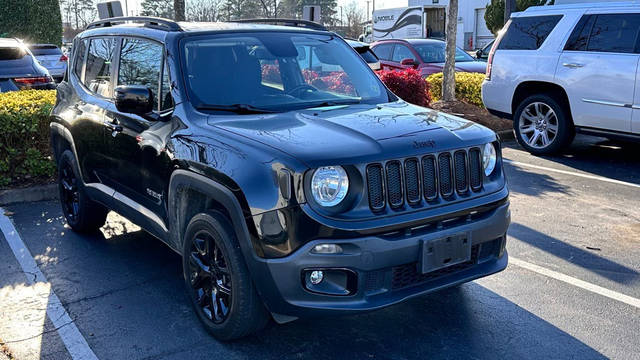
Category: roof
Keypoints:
(578, 6)
(10, 42)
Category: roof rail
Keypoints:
(148, 21)
(285, 22)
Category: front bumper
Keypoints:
(386, 267)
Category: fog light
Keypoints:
(316, 277)
(327, 249)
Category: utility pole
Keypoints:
(368, 13)
(509, 7)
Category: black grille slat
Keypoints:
(412, 175)
(475, 169)
(460, 167)
(429, 182)
(394, 184)
(375, 187)
(444, 171)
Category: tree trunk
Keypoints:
(178, 9)
(449, 80)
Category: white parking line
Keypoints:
(67, 330)
(586, 176)
(576, 282)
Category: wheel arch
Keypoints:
(528, 88)
(191, 193)
(61, 139)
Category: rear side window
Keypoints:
(528, 33)
(580, 35)
(80, 52)
(97, 76)
(39, 50)
(12, 53)
(402, 52)
(141, 64)
(367, 54)
(383, 51)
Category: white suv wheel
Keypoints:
(538, 125)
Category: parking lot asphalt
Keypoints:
(575, 221)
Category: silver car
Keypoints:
(51, 57)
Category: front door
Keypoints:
(133, 141)
(598, 70)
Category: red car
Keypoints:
(426, 55)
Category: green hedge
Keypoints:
(24, 135)
(35, 21)
(468, 87)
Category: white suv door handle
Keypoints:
(572, 65)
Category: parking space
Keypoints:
(124, 289)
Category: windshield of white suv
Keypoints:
(276, 72)
(435, 53)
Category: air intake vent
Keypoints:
(394, 184)
(375, 187)
(460, 166)
(412, 175)
(444, 170)
(475, 169)
(429, 178)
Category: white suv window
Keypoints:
(528, 33)
(619, 33)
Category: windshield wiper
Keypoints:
(236, 108)
(333, 103)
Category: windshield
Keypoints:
(276, 72)
(434, 53)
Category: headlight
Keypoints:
(489, 158)
(329, 185)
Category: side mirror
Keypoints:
(134, 99)
(409, 62)
(479, 54)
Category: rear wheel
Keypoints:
(218, 281)
(542, 126)
(82, 214)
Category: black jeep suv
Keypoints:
(272, 158)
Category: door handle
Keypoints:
(114, 127)
(572, 65)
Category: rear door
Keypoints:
(598, 70)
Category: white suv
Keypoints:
(561, 69)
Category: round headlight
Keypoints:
(329, 185)
(489, 158)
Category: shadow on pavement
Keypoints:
(125, 292)
(598, 156)
(531, 183)
(577, 256)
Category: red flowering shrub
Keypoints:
(408, 85)
(271, 73)
(337, 82)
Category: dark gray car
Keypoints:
(20, 70)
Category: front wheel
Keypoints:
(218, 281)
(542, 126)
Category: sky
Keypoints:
(380, 4)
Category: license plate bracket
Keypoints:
(444, 252)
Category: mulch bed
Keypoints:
(473, 113)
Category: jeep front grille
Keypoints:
(410, 181)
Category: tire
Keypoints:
(542, 126)
(216, 278)
(82, 214)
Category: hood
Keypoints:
(358, 133)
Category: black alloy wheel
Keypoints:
(69, 193)
(210, 278)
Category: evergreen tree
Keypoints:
(35, 21)
(494, 15)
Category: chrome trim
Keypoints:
(635, 107)
(130, 203)
(609, 103)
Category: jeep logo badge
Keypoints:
(424, 144)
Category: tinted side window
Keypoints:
(140, 64)
(402, 52)
(78, 62)
(528, 33)
(580, 36)
(383, 51)
(97, 76)
(615, 33)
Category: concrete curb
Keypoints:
(30, 194)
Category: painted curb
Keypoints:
(30, 194)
